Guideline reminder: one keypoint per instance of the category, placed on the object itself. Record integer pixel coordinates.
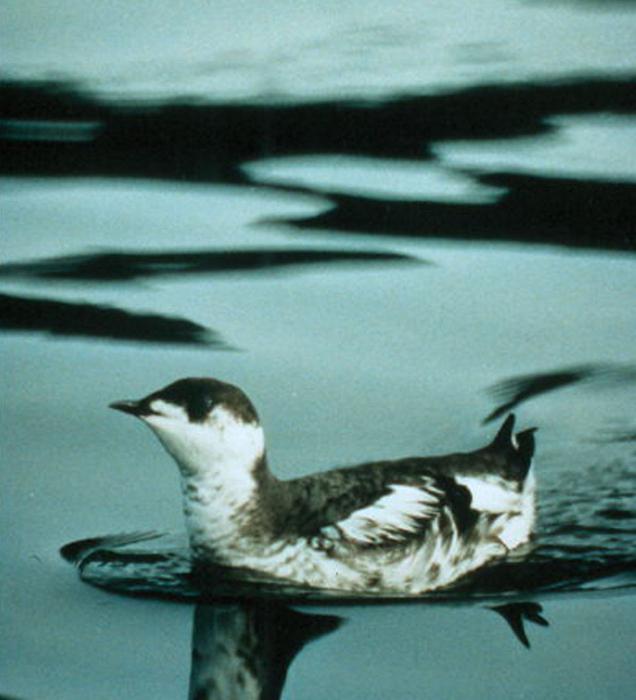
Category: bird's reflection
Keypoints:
(516, 614)
(243, 650)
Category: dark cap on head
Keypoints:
(197, 396)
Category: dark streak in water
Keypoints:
(620, 436)
(184, 136)
(56, 129)
(534, 209)
(89, 320)
(616, 514)
(517, 390)
(117, 267)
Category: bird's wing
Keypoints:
(401, 512)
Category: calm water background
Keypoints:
(369, 217)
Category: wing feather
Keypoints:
(394, 517)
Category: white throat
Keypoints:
(217, 460)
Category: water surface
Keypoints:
(390, 227)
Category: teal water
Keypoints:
(380, 275)
(359, 361)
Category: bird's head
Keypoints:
(205, 424)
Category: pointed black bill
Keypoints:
(134, 408)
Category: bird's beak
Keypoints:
(134, 408)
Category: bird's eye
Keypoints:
(199, 409)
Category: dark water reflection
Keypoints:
(83, 319)
(125, 266)
(246, 635)
(621, 436)
(88, 320)
(210, 143)
(556, 210)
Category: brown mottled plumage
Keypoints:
(406, 525)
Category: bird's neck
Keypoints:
(227, 491)
(227, 488)
(220, 510)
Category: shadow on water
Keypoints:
(76, 319)
(56, 129)
(121, 267)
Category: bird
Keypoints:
(405, 526)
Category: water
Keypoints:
(385, 254)
(237, 50)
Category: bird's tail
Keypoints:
(519, 448)
(525, 447)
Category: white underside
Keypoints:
(372, 571)
(411, 566)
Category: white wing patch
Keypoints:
(490, 493)
(392, 518)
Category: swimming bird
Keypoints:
(403, 526)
